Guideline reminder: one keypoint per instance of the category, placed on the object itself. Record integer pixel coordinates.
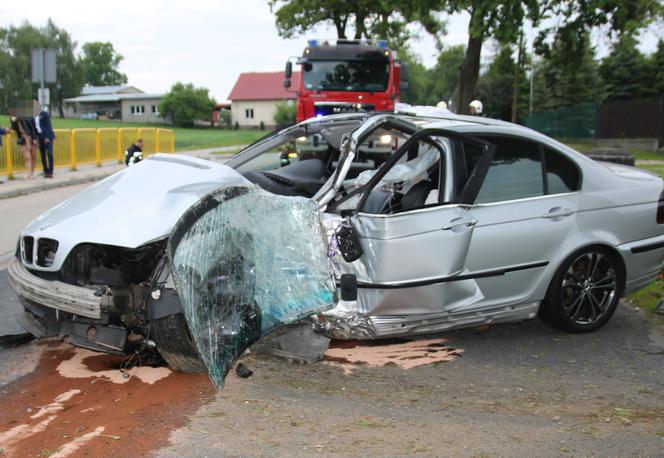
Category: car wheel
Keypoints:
(175, 344)
(584, 292)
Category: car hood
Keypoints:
(133, 207)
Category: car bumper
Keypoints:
(54, 294)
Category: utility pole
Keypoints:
(532, 77)
(517, 74)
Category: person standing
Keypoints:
(46, 139)
(28, 140)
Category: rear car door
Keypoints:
(526, 208)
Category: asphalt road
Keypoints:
(17, 212)
(518, 390)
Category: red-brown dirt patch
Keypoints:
(63, 412)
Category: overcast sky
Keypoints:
(206, 42)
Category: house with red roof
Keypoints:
(255, 95)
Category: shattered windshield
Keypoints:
(245, 263)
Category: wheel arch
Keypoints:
(610, 248)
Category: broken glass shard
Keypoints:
(247, 262)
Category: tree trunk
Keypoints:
(360, 29)
(340, 24)
(517, 80)
(469, 71)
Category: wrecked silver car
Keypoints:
(364, 225)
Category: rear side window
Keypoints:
(561, 174)
(515, 172)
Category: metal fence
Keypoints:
(629, 119)
(579, 121)
(89, 146)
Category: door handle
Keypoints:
(558, 212)
(456, 222)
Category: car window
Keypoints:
(515, 171)
(561, 173)
(412, 183)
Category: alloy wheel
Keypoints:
(589, 288)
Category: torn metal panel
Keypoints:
(247, 262)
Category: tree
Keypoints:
(656, 63)
(444, 76)
(225, 120)
(185, 104)
(100, 62)
(501, 20)
(495, 87)
(388, 19)
(285, 114)
(571, 20)
(16, 45)
(567, 76)
(418, 79)
(626, 72)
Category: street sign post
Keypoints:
(44, 97)
(44, 71)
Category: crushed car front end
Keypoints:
(92, 269)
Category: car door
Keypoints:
(412, 261)
(525, 210)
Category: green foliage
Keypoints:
(416, 94)
(225, 118)
(185, 104)
(444, 76)
(656, 63)
(285, 114)
(16, 44)
(388, 19)
(496, 86)
(569, 75)
(99, 63)
(575, 18)
(627, 73)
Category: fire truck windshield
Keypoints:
(353, 75)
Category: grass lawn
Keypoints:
(648, 297)
(657, 168)
(185, 138)
(639, 154)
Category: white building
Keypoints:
(255, 95)
(123, 103)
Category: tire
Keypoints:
(175, 344)
(585, 291)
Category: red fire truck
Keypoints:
(340, 76)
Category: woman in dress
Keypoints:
(26, 132)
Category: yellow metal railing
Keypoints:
(89, 146)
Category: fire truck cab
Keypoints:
(340, 76)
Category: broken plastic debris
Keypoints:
(243, 371)
(247, 262)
